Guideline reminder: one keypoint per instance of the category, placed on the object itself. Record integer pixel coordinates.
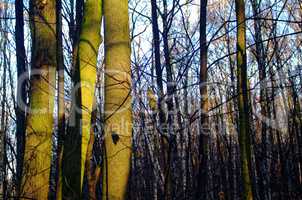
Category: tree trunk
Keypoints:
(260, 58)
(243, 102)
(78, 133)
(202, 177)
(3, 155)
(167, 145)
(61, 100)
(21, 90)
(160, 106)
(158, 70)
(92, 171)
(118, 116)
(38, 145)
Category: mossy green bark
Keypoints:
(75, 146)
(90, 40)
(37, 156)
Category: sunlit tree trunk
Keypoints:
(77, 138)
(118, 117)
(243, 101)
(90, 41)
(39, 128)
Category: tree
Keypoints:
(3, 125)
(178, 124)
(92, 172)
(160, 91)
(243, 101)
(21, 89)
(118, 117)
(80, 122)
(261, 162)
(158, 70)
(204, 120)
(61, 95)
(39, 127)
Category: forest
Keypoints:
(151, 99)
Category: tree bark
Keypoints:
(118, 115)
(243, 102)
(78, 133)
(61, 100)
(21, 90)
(3, 155)
(204, 121)
(39, 129)
(158, 70)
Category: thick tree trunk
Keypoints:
(118, 115)
(37, 156)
